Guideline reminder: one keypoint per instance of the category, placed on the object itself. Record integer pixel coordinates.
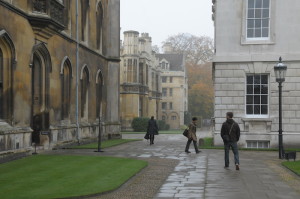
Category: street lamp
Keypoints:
(280, 71)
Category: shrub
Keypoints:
(139, 124)
(162, 125)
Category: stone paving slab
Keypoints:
(202, 175)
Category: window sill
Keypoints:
(257, 42)
(249, 119)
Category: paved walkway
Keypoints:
(203, 176)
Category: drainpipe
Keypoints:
(77, 65)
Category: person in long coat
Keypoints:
(192, 137)
(152, 129)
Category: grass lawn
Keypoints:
(294, 166)
(104, 144)
(160, 132)
(49, 176)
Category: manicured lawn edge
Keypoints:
(63, 176)
(208, 144)
(104, 144)
(293, 166)
(160, 132)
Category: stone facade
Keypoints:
(39, 70)
(174, 87)
(140, 79)
(250, 36)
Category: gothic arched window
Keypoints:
(66, 89)
(99, 26)
(84, 93)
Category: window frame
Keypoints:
(164, 105)
(268, 97)
(261, 20)
(164, 94)
(250, 41)
(171, 92)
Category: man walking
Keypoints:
(152, 129)
(192, 136)
(230, 133)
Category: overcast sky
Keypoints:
(163, 18)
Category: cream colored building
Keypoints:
(140, 79)
(250, 36)
(38, 72)
(174, 87)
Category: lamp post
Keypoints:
(280, 71)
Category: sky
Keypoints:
(163, 18)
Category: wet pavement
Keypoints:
(202, 175)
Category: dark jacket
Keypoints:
(152, 127)
(235, 132)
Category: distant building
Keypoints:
(38, 72)
(250, 36)
(140, 79)
(174, 87)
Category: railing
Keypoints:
(134, 88)
(52, 8)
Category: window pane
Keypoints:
(265, 23)
(249, 89)
(249, 99)
(249, 109)
(264, 79)
(250, 33)
(258, 13)
(251, 13)
(256, 99)
(264, 109)
(264, 89)
(250, 3)
(257, 79)
(258, 4)
(257, 23)
(250, 23)
(257, 109)
(265, 13)
(257, 33)
(266, 3)
(264, 99)
(250, 79)
(265, 32)
(257, 89)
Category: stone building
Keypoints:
(174, 87)
(38, 71)
(250, 36)
(140, 79)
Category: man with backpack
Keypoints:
(230, 133)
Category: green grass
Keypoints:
(160, 132)
(105, 144)
(49, 176)
(294, 166)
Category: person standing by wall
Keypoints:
(230, 133)
(192, 136)
(152, 129)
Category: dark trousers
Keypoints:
(188, 145)
(151, 139)
(235, 151)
